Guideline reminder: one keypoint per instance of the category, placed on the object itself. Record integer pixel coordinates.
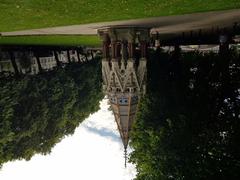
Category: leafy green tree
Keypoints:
(25, 60)
(36, 112)
(187, 125)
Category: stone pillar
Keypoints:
(113, 48)
(131, 49)
(105, 46)
(124, 50)
(118, 50)
(143, 48)
(106, 49)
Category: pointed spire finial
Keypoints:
(125, 156)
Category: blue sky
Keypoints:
(95, 151)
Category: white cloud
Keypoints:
(94, 152)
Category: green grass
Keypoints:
(28, 14)
(51, 40)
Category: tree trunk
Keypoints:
(92, 54)
(177, 52)
(224, 53)
(14, 64)
(39, 64)
(86, 56)
(224, 49)
(175, 61)
(78, 57)
(57, 59)
(68, 55)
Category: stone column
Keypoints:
(143, 48)
(131, 49)
(118, 50)
(105, 50)
(105, 46)
(124, 50)
(113, 48)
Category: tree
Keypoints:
(25, 60)
(39, 63)
(56, 58)
(187, 126)
(68, 56)
(36, 112)
(13, 61)
(78, 56)
(91, 52)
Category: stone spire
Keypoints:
(125, 156)
(124, 74)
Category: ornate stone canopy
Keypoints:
(124, 73)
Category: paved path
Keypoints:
(164, 25)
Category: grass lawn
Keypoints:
(51, 40)
(28, 14)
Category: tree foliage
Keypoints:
(187, 125)
(25, 60)
(36, 112)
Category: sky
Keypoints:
(94, 151)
